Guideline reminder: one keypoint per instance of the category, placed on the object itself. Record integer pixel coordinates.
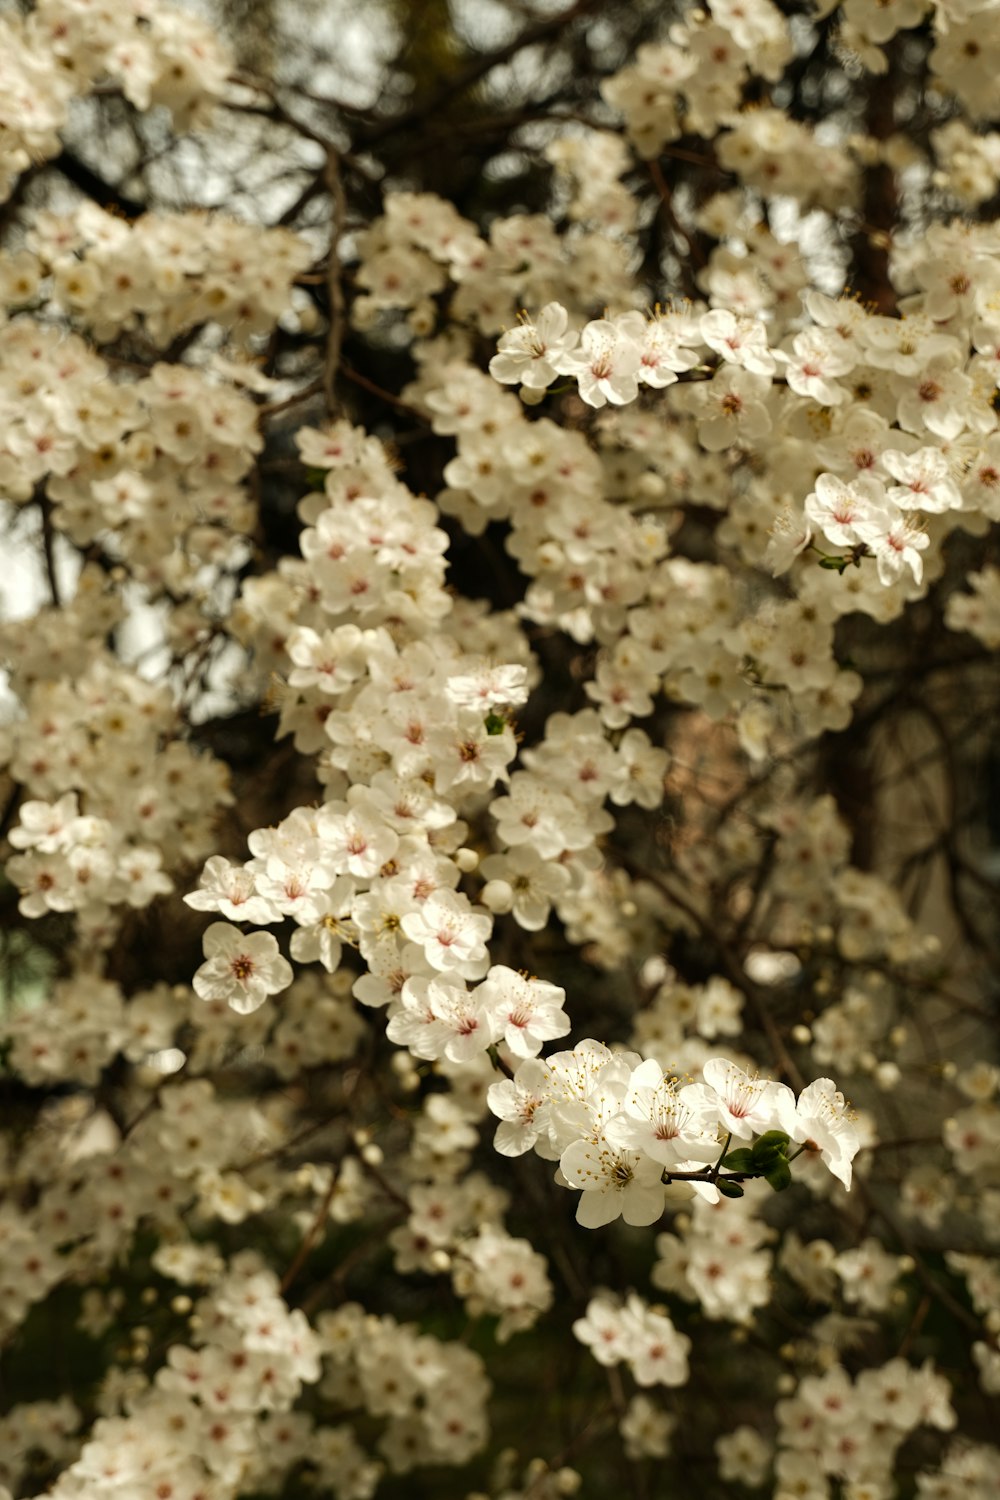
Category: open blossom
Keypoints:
(924, 480)
(606, 365)
(657, 1353)
(868, 1274)
(330, 662)
(640, 773)
(240, 968)
(231, 890)
(451, 933)
(296, 889)
(537, 815)
(657, 1121)
(614, 1183)
(635, 1334)
(814, 362)
(460, 782)
(355, 840)
(740, 341)
(940, 399)
(897, 542)
(604, 1330)
(531, 354)
(789, 538)
(440, 1018)
(741, 1103)
(663, 352)
(523, 883)
(730, 408)
(505, 1277)
(525, 1012)
(839, 509)
(520, 1104)
(45, 826)
(821, 1116)
(488, 686)
(322, 941)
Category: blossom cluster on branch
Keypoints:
(497, 741)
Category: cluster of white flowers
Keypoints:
(693, 83)
(74, 863)
(867, 1276)
(163, 274)
(621, 1129)
(592, 163)
(194, 1426)
(609, 358)
(89, 1029)
(106, 734)
(31, 1428)
(978, 612)
(466, 847)
(717, 1261)
(432, 1394)
(969, 1471)
(409, 256)
(646, 1429)
(156, 54)
(151, 469)
(851, 1430)
(968, 161)
(938, 391)
(744, 1455)
(636, 1334)
(503, 1277)
(982, 1280)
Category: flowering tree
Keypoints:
(497, 742)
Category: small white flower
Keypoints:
(530, 354)
(614, 1183)
(489, 686)
(897, 543)
(838, 510)
(821, 1117)
(525, 1012)
(925, 482)
(240, 968)
(742, 1104)
(606, 365)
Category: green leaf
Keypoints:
(740, 1160)
(772, 1146)
(495, 723)
(729, 1189)
(835, 564)
(779, 1176)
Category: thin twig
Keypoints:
(694, 250)
(929, 1281)
(334, 286)
(543, 30)
(730, 964)
(302, 394)
(48, 546)
(356, 378)
(303, 1252)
